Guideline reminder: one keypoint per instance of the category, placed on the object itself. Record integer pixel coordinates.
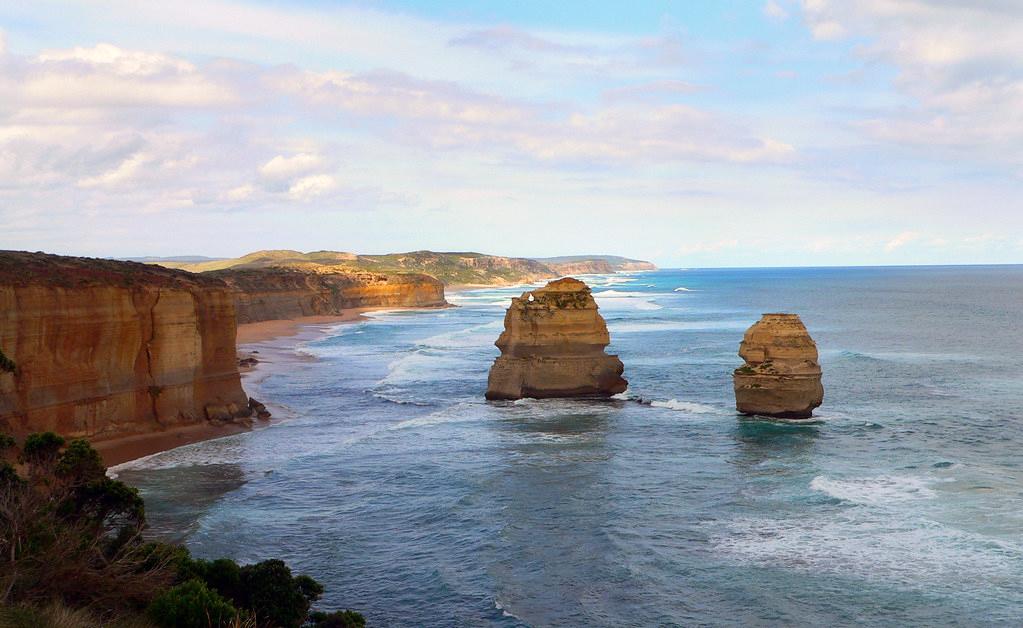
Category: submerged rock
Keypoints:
(553, 346)
(781, 377)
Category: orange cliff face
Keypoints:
(278, 293)
(103, 349)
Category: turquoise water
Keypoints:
(415, 501)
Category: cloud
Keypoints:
(310, 187)
(539, 53)
(958, 65)
(108, 76)
(281, 167)
(442, 115)
(652, 90)
(775, 11)
(901, 240)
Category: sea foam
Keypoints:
(876, 490)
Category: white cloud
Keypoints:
(958, 62)
(281, 167)
(775, 11)
(240, 193)
(901, 240)
(119, 61)
(310, 187)
(118, 175)
(108, 76)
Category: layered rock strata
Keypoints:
(100, 348)
(553, 346)
(781, 377)
(264, 294)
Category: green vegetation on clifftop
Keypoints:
(453, 268)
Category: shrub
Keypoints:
(80, 463)
(275, 597)
(191, 605)
(337, 619)
(40, 450)
(73, 535)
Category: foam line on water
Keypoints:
(881, 489)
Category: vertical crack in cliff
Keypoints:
(153, 389)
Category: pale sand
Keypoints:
(119, 450)
(116, 451)
(249, 333)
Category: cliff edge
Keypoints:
(277, 293)
(101, 349)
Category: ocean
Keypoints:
(389, 479)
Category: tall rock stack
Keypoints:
(553, 346)
(781, 377)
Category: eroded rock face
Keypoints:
(553, 346)
(282, 293)
(100, 348)
(781, 377)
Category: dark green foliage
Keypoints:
(267, 590)
(41, 449)
(8, 476)
(7, 365)
(337, 619)
(274, 595)
(6, 442)
(80, 463)
(72, 535)
(108, 503)
(191, 605)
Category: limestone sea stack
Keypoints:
(781, 377)
(553, 346)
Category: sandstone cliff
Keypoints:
(594, 264)
(781, 377)
(553, 346)
(281, 293)
(99, 348)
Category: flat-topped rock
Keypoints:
(781, 377)
(553, 346)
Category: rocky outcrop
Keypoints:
(553, 346)
(263, 294)
(100, 348)
(781, 377)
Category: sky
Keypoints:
(715, 133)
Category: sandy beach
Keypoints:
(265, 341)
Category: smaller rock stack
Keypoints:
(553, 346)
(781, 377)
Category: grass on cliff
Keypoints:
(73, 553)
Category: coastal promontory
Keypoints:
(553, 346)
(781, 377)
(100, 348)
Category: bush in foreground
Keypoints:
(71, 547)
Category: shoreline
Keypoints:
(252, 340)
